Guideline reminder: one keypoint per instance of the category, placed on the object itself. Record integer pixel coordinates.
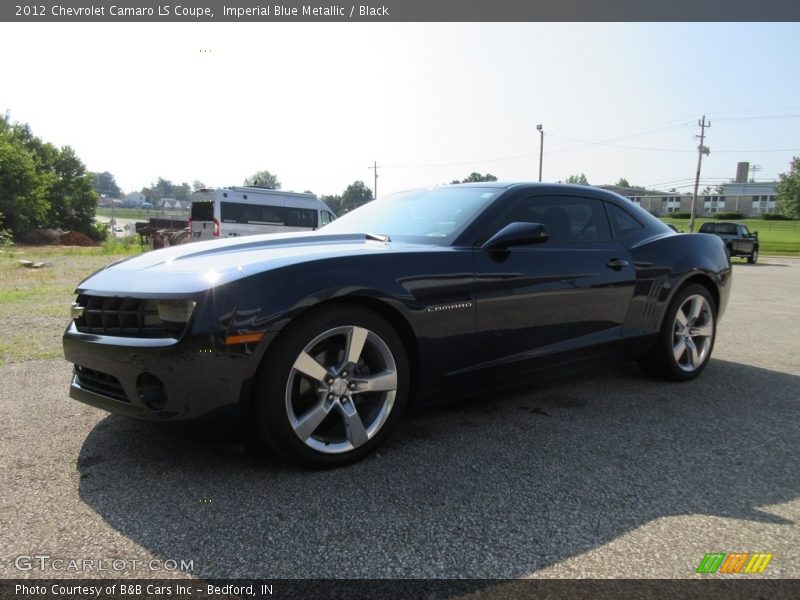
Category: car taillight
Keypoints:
(216, 228)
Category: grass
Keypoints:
(34, 303)
(780, 238)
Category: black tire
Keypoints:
(753, 257)
(685, 342)
(334, 418)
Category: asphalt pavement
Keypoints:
(604, 474)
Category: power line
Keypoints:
(765, 117)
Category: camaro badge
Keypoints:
(449, 306)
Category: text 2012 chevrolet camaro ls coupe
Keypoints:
(322, 339)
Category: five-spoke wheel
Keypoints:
(684, 344)
(332, 387)
(693, 333)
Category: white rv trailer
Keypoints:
(236, 211)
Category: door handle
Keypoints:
(617, 264)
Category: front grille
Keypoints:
(99, 383)
(127, 317)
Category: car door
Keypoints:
(566, 297)
(742, 244)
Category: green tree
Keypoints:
(23, 193)
(356, 194)
(198, 185)
(157, 191)
(789, 191)
(579, 179)
(334, 202)
(264, 179)
(623, 183)
(41, 185)
(105, 184)
(72, 201)
(181, 192)
(476, 177)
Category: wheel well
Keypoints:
(707, 283)
(390, 314)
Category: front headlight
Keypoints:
(175, 311)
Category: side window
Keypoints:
(622, 222)
(301, 217)
(270, 214)
(234, 212)
(567, 218)
(230, 212)
(325, 217)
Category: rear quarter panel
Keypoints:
(666, 263)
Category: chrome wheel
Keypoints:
(341, 389)
(693, 333)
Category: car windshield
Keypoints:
(429, 216)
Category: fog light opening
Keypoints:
(152, 392)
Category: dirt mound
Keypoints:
(76, 238)
(42, 237)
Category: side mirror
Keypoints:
(517, 234)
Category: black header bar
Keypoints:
(383, 11)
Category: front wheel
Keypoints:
(332, 388)
(684, 344)
(753, 257)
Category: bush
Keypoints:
(775, 217)
(124, 245)
(680, 215)
(727, 216)
(99, 232)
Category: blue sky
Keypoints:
(430, 102)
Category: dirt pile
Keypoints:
(42, 237)
(56, 237)
(76, 238)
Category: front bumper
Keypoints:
(158, 379)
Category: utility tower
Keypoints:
(375, 168)
(701, 150)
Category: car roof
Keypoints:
(534, 185)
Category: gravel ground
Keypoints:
(607, 474)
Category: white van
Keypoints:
(235, 211)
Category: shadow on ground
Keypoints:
(494, 487)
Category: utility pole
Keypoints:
(701, 149)
(375, 168)
(755, 168)
(541, 148)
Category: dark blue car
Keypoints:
(319, 341)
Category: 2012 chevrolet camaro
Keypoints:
(321, 340)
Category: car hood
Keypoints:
(191, 268)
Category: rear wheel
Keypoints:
(684, 344)
(753, 257)
(332, 388)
